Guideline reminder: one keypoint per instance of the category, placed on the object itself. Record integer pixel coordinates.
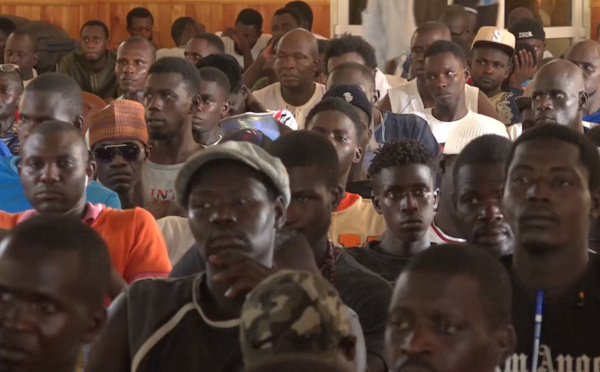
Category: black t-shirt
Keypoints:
(365, 293)
(385, 265)
(570, 338)
(189, 264)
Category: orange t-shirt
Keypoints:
(135, 244)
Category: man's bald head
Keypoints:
(559, 94)
(586, 55)
(140, 42)
(292, 71)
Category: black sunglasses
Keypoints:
(105, 154)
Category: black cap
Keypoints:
(528, 28)
(354, 95)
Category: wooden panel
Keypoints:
(216, 15)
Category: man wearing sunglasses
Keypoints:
(119, 143)
(51, 96)
(11, 89)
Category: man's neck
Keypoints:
(98, 65)
(210, 137)
(555, 272)
(137, 96)
(26, 75)
(593, 104)
(401, 248)
(491, 92)
(426, 97)
(174, 150)
(452, 112)
(6, 123)
(135, 197)
(298, 96)
(213, 302)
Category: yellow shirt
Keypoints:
(355, 222)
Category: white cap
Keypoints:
(467, 130)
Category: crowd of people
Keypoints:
(260, 202)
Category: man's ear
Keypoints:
(95, 324)
(225, 109)
(595, 205)
(436, 199)
(91, 169)
(376, 202)
(506, 341)
(358, 154)
(196, 101)
(147, 152)
(376, 96)
(245, 91)
(280, 212)
(36, 58)
(583, 99)
(78, 122)
(467, 72)
(336, 197)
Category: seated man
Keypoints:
(11, 89)
(586, 55)
(296, 64)
(404, 193)
(93, 66)
(355, 222)
(450, 312)
(446, 72)
(192, 323)
(134, 58)
(479, 172)
(140, 22)
(182, 31)
(201, 46)
(306, 15)
(54, 277)
(284, 20)
(7, 26)
(51, 96)
(20, 50)
(245, 40)
(312, 164)
(213, 106)
(310, 312)
(55, 169)
(456, 18)
(119, 142)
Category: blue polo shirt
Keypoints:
(4, 151)
(12, 195)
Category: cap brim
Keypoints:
(505, 48)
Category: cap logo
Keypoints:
(525, 35)
(348, 97)
(497, 38)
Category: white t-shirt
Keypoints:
(261, 44)
(178, 236)
(442, 129)
(405, 99)
(159, 179)
(437, 236)
(272, 99)
(171, 52)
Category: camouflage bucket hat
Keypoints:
(292, 312)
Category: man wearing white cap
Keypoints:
(445, 75)
(492, 51)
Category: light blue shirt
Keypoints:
(12, 195)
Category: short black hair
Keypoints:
(62, 84)
(494, 282)
(366, 72)
(29, 34)
(487, 149)
(351, 44)
(323, 45)
(228, 64)
(7, 25)
(215, 75)
(305, 148)
(432, 26)
(95, 22)
(142, 40)
(138, 12)
(250, 17)
(65, 233)
(404, 152)
(179, 26)
(455, 11)
(443, 46)
(51, 127)
(181, 66)
(588, 153)
(304, 10)
(339, 105)
(281, 11)
(213, 40)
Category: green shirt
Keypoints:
(102, 83)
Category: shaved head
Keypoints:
(292, 71)
(301, 36)
(586, 56)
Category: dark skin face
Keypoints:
(405, 196)
(93, 43)
(55, 170)
(538, 45)
(311, 204)
(445, 77)
(141, 27)
(418, 44)
(196, 49)
(213, 106)
(249, 32)
(133, 63)
(339, 129)
(119, 174)
(3, 37)
(586, 55)
(20, 50)
(37, 107)
(45, 315)
(168, 103)
(478, 198)
(237, 101)
(439, 323)
(547, 198)
(283, 23)
(10, 93)
(353, 77)
(558, 95)
(459, 27)
(489, 67)
(296, 61)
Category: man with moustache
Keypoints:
(93, 66)
(134, 58)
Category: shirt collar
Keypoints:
(92, 213)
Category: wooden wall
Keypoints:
(215, 14)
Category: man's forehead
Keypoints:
(19, 40)
(136, 48)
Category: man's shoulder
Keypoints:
(354, 272)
